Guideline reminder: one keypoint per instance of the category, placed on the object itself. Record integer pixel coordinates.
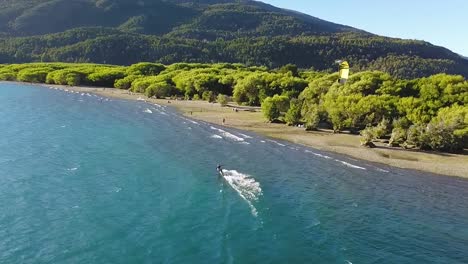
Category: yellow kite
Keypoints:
(344, 72)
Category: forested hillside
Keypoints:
(249, 32)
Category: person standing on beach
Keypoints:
(224, 121)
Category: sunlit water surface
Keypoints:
(84, 179)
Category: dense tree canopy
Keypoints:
(429, 113)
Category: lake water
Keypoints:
(89, 180)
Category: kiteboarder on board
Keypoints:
(220, 170)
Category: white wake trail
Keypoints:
(246, 186)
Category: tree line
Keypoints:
(427, 113)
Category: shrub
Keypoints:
(382, 128)
(50, 78)
(456, 117)
(270, 109)
(446, 132)
(106, 77)
(126, 82)
(440, 136)
(145, 68)
(368, 135)
(222, 99)
(289, 68)
(402, 123)
(73, 79)
(417, 137)
(140, 83)
(7, 76)
(312, 120)
(208, 96)
(398, 137)
(293, 116)
(159, 90)
(34, 75)
(282, 102)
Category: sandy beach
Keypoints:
(438, 163)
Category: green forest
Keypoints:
(429, 113)
(124, 32)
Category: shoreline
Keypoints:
(444, 164)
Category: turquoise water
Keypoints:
(89, 180)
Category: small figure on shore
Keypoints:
(191, 113)
(224, 121)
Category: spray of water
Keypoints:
(247, 188)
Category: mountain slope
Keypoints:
(250, 32)
(27, 17)
(45, 17)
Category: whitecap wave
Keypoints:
(350, 165)
(72, 169)
(318, 154)
(382, 170)
(277, 143)
(217, 136)
(246, 186)
(228, 135)
(147, 111)
(245, 136)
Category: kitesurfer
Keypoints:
(220, 169)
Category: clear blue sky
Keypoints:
(440, 22)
